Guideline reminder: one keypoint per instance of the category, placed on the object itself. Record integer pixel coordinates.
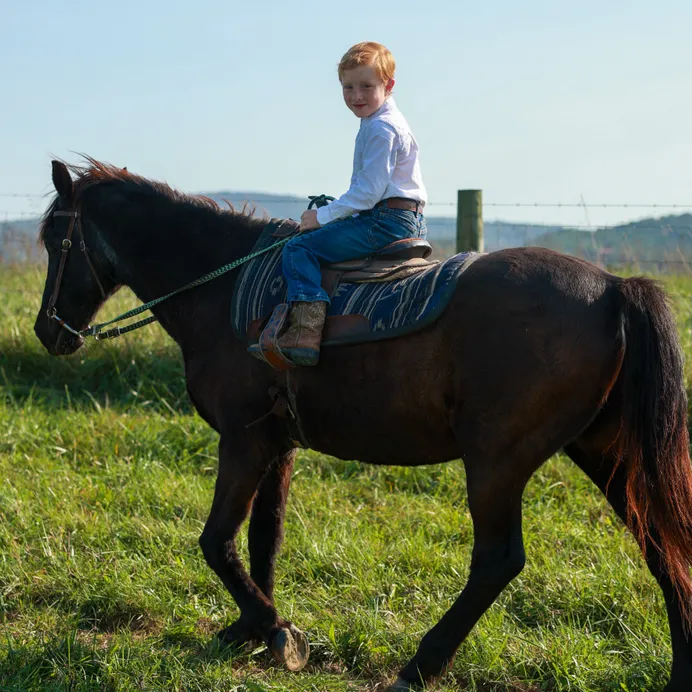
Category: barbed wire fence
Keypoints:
(655, 245)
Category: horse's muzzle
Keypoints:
(56, 340)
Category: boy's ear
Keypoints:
(390, 85)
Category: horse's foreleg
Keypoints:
(599, 466)
(264, 540)
(241, 471)
(498, 557)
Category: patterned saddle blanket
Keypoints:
(358, 312)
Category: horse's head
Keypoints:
(77, 281)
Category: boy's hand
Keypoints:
(308, 220)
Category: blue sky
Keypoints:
(532, 101)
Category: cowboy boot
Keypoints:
(300, 343)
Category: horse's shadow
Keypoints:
(105, 375)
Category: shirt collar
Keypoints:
(387, 107)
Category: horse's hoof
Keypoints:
(238, 635)
(290, 647)
(401, 686)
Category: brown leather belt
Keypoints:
(401, 203)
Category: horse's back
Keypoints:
(546, 304)
(540, 273)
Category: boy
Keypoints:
(382, 205)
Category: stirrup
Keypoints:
(304, 357)
(267, 349)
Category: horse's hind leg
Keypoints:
(266, 522)
(494, 495)
(587, 454)
(241, 470)
(264, 540)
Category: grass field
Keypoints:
(107, 476)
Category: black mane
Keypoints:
(97, 173)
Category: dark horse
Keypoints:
(536, 352)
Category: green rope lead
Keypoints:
(95, 330)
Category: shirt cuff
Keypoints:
(325, 215)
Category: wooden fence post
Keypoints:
(469, 220)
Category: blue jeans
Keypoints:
(354, 237)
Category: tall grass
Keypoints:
(107, 476)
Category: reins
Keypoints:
(96, 329)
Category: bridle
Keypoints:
(75, 220)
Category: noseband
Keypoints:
(75, 220)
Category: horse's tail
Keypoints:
(653, 443)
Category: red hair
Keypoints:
(372, 54)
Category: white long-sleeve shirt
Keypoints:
(385, 164)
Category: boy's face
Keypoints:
(364, 91)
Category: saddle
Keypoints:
(395, 261)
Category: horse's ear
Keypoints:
(63, 181)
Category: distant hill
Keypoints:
(18, 241)
(279, 206)
(653, 243)
(496, 234)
